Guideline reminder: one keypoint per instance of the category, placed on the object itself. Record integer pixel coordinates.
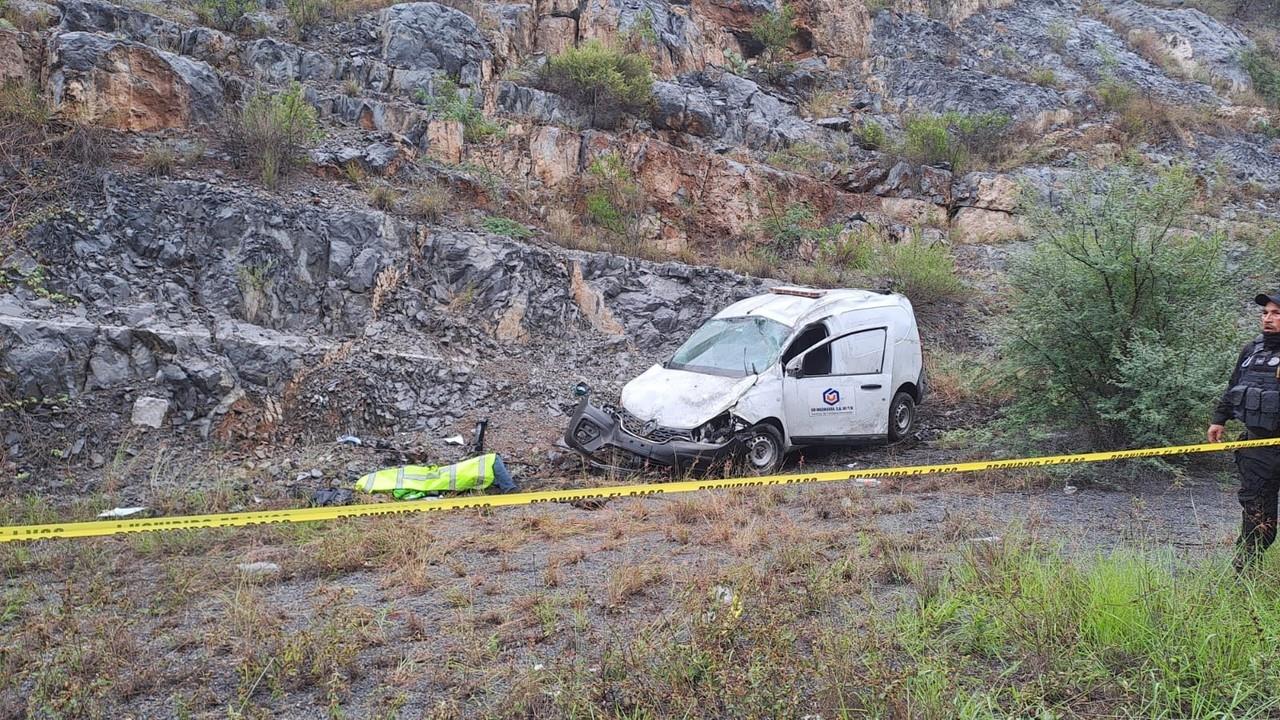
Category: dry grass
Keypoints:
(430, 202)
(631, 580)
(384, 287)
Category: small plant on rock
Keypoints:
(272, 131)
(384, 197)
(506, 226)
(307, 14)
(774, 31)
(795, 230)
(607, 83)
(159, 160)
(223, 14)
(450, 104)
(614, 200)
(872, 135)
(1043, 76)
(429, 202)
(1263, 67)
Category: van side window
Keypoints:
(817, 362)
(861, 353)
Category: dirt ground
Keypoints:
(490, 614)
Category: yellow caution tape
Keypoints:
(268, 517)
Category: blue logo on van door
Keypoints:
(831, 396)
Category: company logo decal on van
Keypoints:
(831, 396)
(830, 404)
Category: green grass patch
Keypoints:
(1139, 635)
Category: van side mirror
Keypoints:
(795, 367)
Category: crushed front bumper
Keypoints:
(600, 437)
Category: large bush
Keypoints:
(272, 131)
(605, 82)
(1121, 325)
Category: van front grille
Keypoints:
(635, 426)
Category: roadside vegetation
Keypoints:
(1117, 327)
(580, 615)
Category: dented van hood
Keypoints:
(682, 399)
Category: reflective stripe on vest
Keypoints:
(427, 478)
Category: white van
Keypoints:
(768, 374)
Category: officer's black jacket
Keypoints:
(1223, 411)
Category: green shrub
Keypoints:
(1115, 95)
(223, 14)
(605, 82)
(1059, 32)
(1263, 67)
(506, 226)
(928, 141)
(615, 201)
(774, 30)
(924, 272)
(451, 104)
(272, 131)
(955, 138)
(872, 136)
(1118, 326)
(1043, 76)
(794, 228)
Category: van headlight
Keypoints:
(716, 431)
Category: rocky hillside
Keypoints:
(460, 239)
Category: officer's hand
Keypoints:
(1215, 433)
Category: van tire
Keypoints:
(762, 452)
(902, 416)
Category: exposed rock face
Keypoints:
(1191, 39)
(13, 66)
(680, 45)
(538, 105)
(728, 109)
(975, 225)
(429, 36)
(838, 28)
(131, 86)
(202, 295)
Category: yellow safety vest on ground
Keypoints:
(410, 482)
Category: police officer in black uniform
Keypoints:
(1253, 398)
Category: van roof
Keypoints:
(793, 306)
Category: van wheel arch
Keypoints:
(770, 428)
(909, 388)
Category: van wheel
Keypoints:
(902, 416)
(762, 453)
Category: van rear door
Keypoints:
(850, 400)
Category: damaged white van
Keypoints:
(787, 369)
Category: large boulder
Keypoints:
(130, 86)
(430, 36)
(97, 16)
(723, 107)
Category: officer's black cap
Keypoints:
(1264, 298)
